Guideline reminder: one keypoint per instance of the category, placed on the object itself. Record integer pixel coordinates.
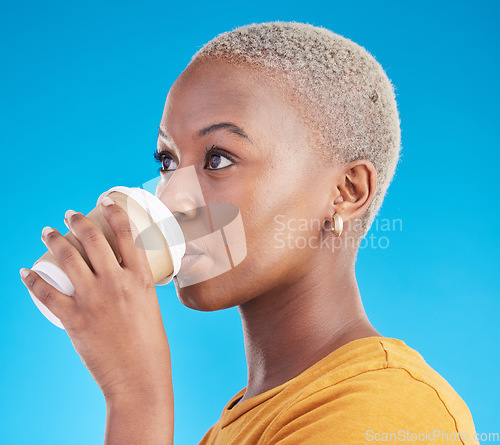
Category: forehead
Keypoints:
(215, 91)
(218, 83)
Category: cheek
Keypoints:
(277, 210)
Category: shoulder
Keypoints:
(383, 387)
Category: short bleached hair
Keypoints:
(348, 102)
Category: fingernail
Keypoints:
(46, 231)
(69, 214)
(67, 223)
(24, 273)
(107, 201)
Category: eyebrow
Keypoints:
(232, 128)
(224, 126)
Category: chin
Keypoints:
(211, 284)
(203, 296)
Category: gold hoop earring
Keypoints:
(337, 224)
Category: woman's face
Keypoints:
(271, 174)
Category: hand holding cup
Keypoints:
(113, 317)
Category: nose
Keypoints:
(185, 209)
(181, 193)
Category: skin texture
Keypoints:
(296, 304)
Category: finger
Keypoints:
(95, 244)
(61, 305)
(133, 257)
(68, 256)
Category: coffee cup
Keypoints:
(158, 233)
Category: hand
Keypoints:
(113, 318)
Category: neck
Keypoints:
(289, 329)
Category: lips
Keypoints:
(188, 260)
(192, 255)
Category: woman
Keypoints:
(291, 123)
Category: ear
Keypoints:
(355, 188)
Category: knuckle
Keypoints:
(47, 296)
(32, 280)
(123, 290)
(144, 279)
(146, 282)
(121, 222)
(91, 235)
(124, 229)
(67, 255)
(85, 230)
(42, 292)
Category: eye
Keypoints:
(217, 159)
(166, 161)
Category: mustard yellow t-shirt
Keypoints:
(372, 390)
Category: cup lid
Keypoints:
(162, 216)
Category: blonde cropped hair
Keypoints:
(348, 101)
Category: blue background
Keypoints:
(82, 90)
